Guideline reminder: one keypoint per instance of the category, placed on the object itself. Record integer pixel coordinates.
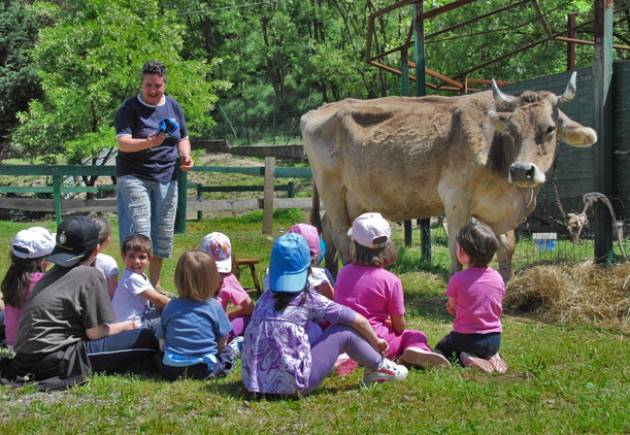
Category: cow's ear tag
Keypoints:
(500, 121)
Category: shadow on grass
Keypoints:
(431, 306)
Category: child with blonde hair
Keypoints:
(29, 250)
(194, 327)
(278, 358)
(219, 247)
(368, 288)
(106, 263)
(475, 297)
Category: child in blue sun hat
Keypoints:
(277, 356)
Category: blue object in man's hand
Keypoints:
(168, 126)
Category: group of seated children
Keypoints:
(303, 326)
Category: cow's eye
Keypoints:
(550, 130)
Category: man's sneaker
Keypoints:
(499, 365)
(345, 365)
(386, 371)
(423, 358)
(470, 360)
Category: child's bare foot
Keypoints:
(423, 358)
(470, 360)
(499, 365)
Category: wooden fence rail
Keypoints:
(195, 203)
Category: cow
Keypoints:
(482, 155)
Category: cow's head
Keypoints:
(528, 128)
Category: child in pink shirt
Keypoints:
(475, 296)
(366, 287)
(218, 246)
(29, 250)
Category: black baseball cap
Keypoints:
(77, 236)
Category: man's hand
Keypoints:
(186, 162)
(155, 139)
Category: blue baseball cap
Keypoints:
(289, 263)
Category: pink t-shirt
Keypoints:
(373, 292)
(231, 291)
(479, 293)
(12, 315)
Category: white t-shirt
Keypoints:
(106, 265)
(127, 302)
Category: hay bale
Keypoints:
(579, 294)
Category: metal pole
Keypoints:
(602, 151)
(404, 88)
(57, 179)
(418, 24)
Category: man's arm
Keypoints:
(184, 147)
(128, 144)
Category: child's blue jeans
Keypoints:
(481, 345)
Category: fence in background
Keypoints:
(196, 202)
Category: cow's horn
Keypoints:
(499, 97)
(569, 92)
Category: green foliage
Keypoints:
(18, 81)
(90, 61)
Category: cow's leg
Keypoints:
(457, 209)
(332, 263)
(338, 221)
(507, 244)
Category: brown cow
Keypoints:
(483, 155)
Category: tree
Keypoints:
(90, 61)
(18, 81)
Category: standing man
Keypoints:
(146, 164)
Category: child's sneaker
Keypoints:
(345, 365)
(424, 358)
(387, 371)
(237, 344)
(499, 365)
(470, 360)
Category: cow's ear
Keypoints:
(575, 134)
(499, 120)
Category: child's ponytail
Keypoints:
(17, 280)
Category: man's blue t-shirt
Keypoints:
(193, 328)
(139, 119)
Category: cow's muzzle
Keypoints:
(526, 174)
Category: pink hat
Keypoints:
(220, 249)
(310, 233)
(369, 227)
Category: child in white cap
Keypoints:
(29, 250)
(368, 288)
(219, 247)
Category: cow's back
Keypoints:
(386, 149)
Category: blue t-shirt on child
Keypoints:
(138, 119)
(193, 328)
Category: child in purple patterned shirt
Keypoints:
(277, 357)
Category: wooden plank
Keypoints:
(246, 188)
(270, 166)
(47, 204)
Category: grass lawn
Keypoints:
(561, 380)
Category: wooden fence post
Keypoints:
(270, 166)
(182, 201)
(57, 179)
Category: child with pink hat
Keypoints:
(320, 279)
(368, 288)
(219, 247)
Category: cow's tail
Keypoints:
(316, 219)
